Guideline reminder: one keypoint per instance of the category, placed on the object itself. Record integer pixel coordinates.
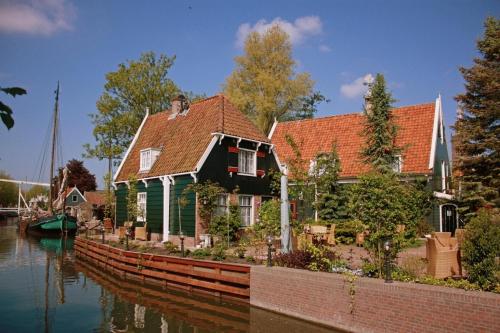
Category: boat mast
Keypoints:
(52, 159)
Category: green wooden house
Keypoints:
(421, 131)
(207, 140)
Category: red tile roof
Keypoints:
(183, 140)
(314, 136)
(95, 197)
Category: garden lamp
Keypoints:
(269, 241)
(102, 233)
(387, 261)
(181, 237)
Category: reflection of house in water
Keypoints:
(86, 206)
(129, 306)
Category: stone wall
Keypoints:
(376, 306)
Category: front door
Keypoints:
(449, 220)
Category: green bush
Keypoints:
(219, 252)
(201, 253)
(269, 219)
(480, 248)
(170, 247)
(226, 225)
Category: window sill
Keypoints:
(247, 174)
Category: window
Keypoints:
(222, 208)
(148, 158)
(74, 198)
(246, 162)
(246, 209)
(444, 174)
(141, 206)
(398, 164)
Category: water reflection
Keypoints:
(45, 288)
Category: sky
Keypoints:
(417, 45)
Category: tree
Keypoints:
(5, 110)
(132, 208)
(37, 190)
(135, 86)
(264, 84)
(8, 191)
(80, 176)
(478, 129)
(380, 131)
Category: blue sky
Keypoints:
(417, 45)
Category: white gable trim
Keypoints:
(207, 152)
(273, 128)
(80, 193)
(437, 124)
(136, 136)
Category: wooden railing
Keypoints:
(217, 278)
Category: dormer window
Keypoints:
(398, 164)
(148, 158)
(246, 162)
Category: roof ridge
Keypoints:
(350, 114)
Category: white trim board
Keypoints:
(436, 127)
(136, 136)
(75, 188)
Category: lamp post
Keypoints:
(269, 241)
(127, 234)
(387, 260)
(181, 236)
(102, 233)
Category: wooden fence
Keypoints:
(221, 279)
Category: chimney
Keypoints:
(368, 103)
(177, 105)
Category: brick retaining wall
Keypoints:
(377, 306)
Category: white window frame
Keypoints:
(142, 200)
(148, 158)
(254, 164)
(226, 205)
(443, 176)
(252, 209)
(398, 165)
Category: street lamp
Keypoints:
(102, 233)
(269, 241)
(387, 260)
(181, 236)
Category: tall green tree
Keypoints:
(128, 91)
(380, 130)
(264, 84)
(478, 129)
(8, 191)
(5, 110)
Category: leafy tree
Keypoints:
(309, 107)
(109, 197)
(37, 190)
(226, 225)
(478, 129)
(132, 208)
(380, 131)
(135, 86)
(5, 110)
(206, 194)
(8, 191)
(80, 176)
(264, 84)
(269, 219)
(481, 249)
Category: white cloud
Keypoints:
(36, 17)
(356, 88)
(298, 30)
(325, 48)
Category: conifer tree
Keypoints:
(380, 131)
(478, 127)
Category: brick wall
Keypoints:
(377, 306)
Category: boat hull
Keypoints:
(54, 224)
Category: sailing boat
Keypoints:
(57, 222)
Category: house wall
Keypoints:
(121, 204)
(69, 200)
(187, 211)
(217, 163)
(436, 180)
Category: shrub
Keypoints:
(413, 266)
(312, 258)
(480, 248)
(241, 250)
(201, 253)
(170, 247)
(226, 226)
(369, 268)
(219, 252)
(269, 219)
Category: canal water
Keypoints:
(45, 288)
